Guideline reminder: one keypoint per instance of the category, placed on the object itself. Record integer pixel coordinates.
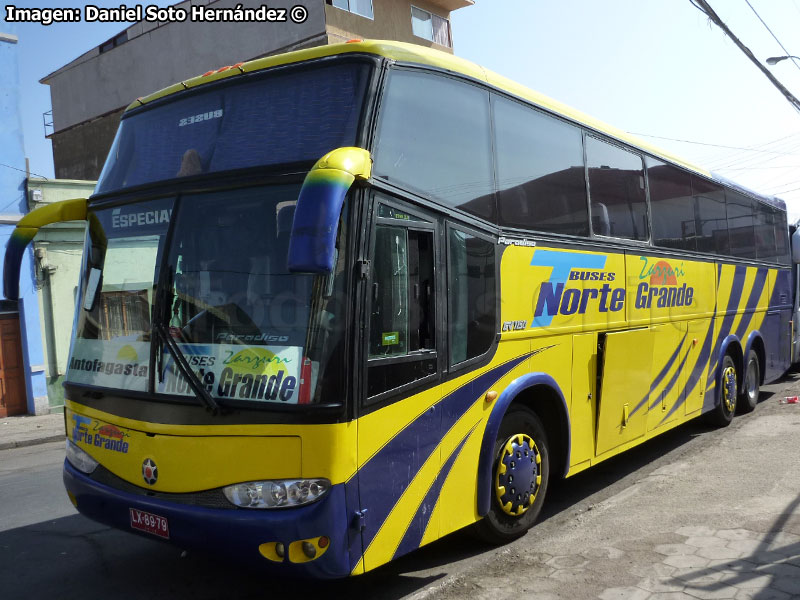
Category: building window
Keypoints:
(431, 27)
(359, 7)
(117, 40)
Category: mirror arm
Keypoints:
(312, 243)
(27, 228)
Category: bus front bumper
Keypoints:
(242, 535)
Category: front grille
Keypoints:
(208, 499)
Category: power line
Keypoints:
(786, 191)
(718, 145)
(785, 51)
(22, 171)
(755, 168)
(704, 7)
(742, 159)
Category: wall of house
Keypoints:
(58, 257)
(392, 22)
(89, 94)
(156, 56)
(12, 207)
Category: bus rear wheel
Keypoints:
(751, 385)
(722, 415)
(519, 478)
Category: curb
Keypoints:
(33, 442)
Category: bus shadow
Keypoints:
(73, 557)
(641, 460)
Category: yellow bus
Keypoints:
(341, 302)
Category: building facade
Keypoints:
(58, 255)
(23, 388)
(89, 94)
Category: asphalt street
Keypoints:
(695, 513)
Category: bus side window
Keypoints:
(402, 333)
(616, 186)
(471, 295)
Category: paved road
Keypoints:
(696, 513)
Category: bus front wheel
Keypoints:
(519, 477)
(722, 415)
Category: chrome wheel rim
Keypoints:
(752, 379)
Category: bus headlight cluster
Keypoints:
(79, 459)
(282, 493)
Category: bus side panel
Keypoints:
(583, 403)
(426, 438)
(672, 296)
(663, 290)
(776, 331)
(730, 293)
(457, 506)
(554, 290)
(668, 375)
(698, 342)
(627, 362)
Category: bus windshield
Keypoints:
(294, 115)
(251, 331)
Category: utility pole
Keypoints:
(704, 7)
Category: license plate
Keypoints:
(149, 523)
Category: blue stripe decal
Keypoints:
(672, 381)
(782, 293)
(730, 314)
(660, 376)
(399, 461)
(416, 529)
(702, 358)
(752, 302)
(682, 397)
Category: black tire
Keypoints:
(519, 428)
(751, 385)
(722, 415)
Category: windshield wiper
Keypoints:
(190, 376)
(165, 302)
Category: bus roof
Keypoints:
(412, 53)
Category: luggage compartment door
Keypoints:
(626, 375)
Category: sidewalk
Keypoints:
(29, 430)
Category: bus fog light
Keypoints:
(282, 493)
(309, 550)
(80, 459)
(279, 550)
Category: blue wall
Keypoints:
(13, 201)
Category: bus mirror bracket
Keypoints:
(92, 287)
(796, 247)
(312, 243)
(27, 227)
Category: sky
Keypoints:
(656, 68)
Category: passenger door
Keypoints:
(399, 429)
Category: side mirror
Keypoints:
(796, 247)
(92, 287)
(312, 243)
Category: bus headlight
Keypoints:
(282, 493)
(79, 459)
